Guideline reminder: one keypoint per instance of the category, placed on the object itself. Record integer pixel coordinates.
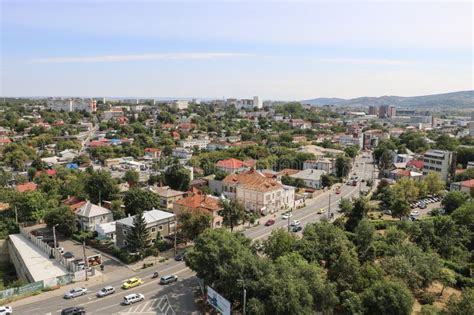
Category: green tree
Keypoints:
(364, 240)
(453, 200)
(32, 205)
(232, 213)
(192, 225)
(447, 278)
(64, 217)
(279, 243)
(400, 207)
(352, 151)
(434, 183)
(99, 186)
(131, 177)
(387, 297)
(138, 238)
(177, 177)
(117, 209)
(343, 166)
(138, 200)
(358, 212)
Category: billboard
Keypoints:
(218, 301)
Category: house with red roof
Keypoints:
(4, 141)
(198, 203)
(50, 173)
(415, 165)
(152, 153)
(26, 187)
(232, 166)
(466, 186)
(122, 120)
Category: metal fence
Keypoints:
(36, 286)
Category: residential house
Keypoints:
(158, 223)
(182, 153)
(4, 141)
(232, 166)
(152, 153)
(466, 186)
(257, 192)
(89, 215)
(167, 196)
(311, 178)
(26, 187)
(198, 202)
(106, 230)
(191, 143)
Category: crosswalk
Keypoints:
(159, 306)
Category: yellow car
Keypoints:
(131, 283)
(321, 211)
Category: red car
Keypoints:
(269, 222)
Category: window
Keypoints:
(153, 229)
(160, 227)
(124, 232)
(125, 243)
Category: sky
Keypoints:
(213, 49)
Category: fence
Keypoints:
(48, 250)
(36, 286)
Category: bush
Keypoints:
(463, 270)
(151, 252)
(163, 246)
(124, 255)
(83, 236)
(427, 298)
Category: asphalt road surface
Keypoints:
(180, 293)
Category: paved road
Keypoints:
(180, 293)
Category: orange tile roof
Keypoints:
(152, 150)
(289, 171)
(4, 206)
(26, 187)
(468, 183)
(416, 163)
(199, 201)
(5, 140)
(253, 180)
(231, 163)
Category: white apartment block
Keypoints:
(191, 143)
(180, 105)
(438, 161)
(348, 140)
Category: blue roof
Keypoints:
(72, 166)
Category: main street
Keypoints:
(180, 294)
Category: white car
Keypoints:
(106, 291)
(295, 223)
(133, 298)
(287, 215)
(75, 292)
(6, 310)
(415, 213)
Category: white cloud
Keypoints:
(356, 61)
(140, 57)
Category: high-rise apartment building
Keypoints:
(439, 161)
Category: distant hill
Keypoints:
(462, 99)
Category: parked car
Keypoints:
(106, 291)
(75, 310)
(296, 229)
(75, 293)
(269, 222)
(422, 205)
(287, 215)
(168, 279)
(6, 310)
(179, 257)
(321, 211)
(131, 283)
(133, 298)
(387, 212)
(296, 223)
(415, 213)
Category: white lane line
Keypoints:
(135, 289)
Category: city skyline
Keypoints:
(215, 50)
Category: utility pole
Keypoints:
(16, 215)
(289, 217)
(86, 263)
